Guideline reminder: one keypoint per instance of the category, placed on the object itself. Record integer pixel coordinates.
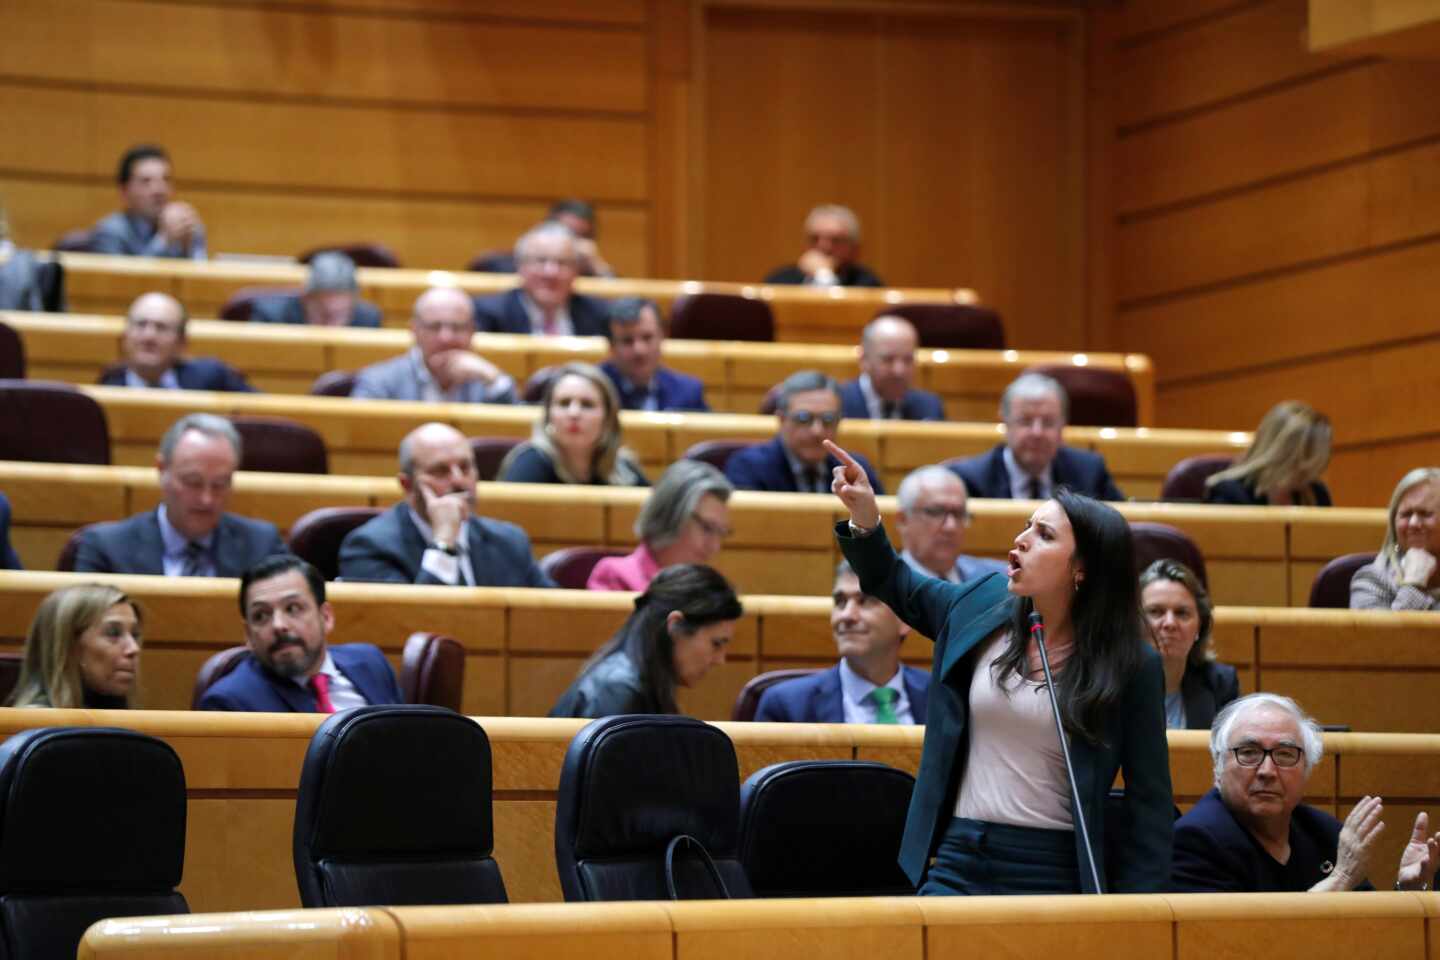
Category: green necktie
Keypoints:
(884, 698)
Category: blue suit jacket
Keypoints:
(763, 466)
(9, 559)
(199, 373)
(1080, 470)
(388, 549)
(290, 308)
(251, 687)
(133, 545)
(818, 698)
(915, 405)
(505, 313)
(677, 391)
(959, 617)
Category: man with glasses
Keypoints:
(931, 520)
(154, 347)
(545, 303)
(796, 461)
(1032, 462)
(1251, 833)
(441, 366)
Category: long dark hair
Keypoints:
(701, 595)
(1105, 614)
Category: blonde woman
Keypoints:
(1404, 575)
(577, 439)
(1290, 451)
(83, 650)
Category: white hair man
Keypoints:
(832, 238)
(932, 519)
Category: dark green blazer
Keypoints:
(958, 617)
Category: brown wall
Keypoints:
(1276, 224)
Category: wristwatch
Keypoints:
(444, 547)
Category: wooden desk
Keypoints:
(286, 359)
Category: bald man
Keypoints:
(433, 536)
(885, 389)
(441, 366)
(153, 344)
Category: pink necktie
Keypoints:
(321, 685)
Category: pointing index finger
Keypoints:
(840, 454)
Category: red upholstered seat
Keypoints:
(952, 326)
(1331, 586)
(749, 699)
(12, 354)
(333, 383)
(1186, 480)
(1098, 398)
(316, 537)
(490, 452)
(280, 445)
(538, 383)
(433, 670)
(717, 453)
(1157, 541)
(570, 567)
(721, 316)
(51, 422)
(363, 254)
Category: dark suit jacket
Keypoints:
(915, 405)
(388, 549)
(1205, 689)
(9, 559)
(1240, 493)
(290, 308)
(505, 313)
(959, 617)
(676, 391)
(1215, 854)
(850, 275)
(819, 699)
(133, 545)
(763, 466)
(1080, 470)
(199, 373)
(251, 687)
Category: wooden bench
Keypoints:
(285, 359)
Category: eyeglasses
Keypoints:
(1252, 754)
(437, 326)
(1035, 423)
(560, 263)
(959, 514)
(804, 418)
(711, 529)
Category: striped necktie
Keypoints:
(194, 559)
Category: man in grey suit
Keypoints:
(932, 519)
(153, 223)
(441, 367)
(189, 534)
(433, 536)
(331, 298)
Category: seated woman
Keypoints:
(1290, 451)
(1178, 612)
(577, 439)
(1404, 575)
(83, 650)
(685, 520)
(677, 632)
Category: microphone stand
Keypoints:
(1037, 630)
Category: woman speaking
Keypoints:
(993, 804)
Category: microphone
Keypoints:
(1037, 630)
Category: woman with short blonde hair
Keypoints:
(1404, 575)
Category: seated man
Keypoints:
(1251, 833)
(832, 233)
(434, 536)
(796, 460)
(153, 223)
(579, 217)
(885, 389)
(931, 521)
(189, 534)
(545, 302)
(291, 667)
(154, 342)
(637, 334)
(1031, 462)
(869, 684)
(441, 366)
(331, 298)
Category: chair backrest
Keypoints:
(363, 254)
(334, 383)
(537, 384)
(92, 826)
(240, 303)
(50, 278)
(1156, 541)
(629, 787)
(280, 445)
(492, 261)
(570, 567)
(12, 354)
(1331, 586)
(748, 700)
(1186, 480)
(65, 563)
(432, 670)
(1098, 398)
(717, 453)
(394, 808)
(216, 666)
(316, 537)
(490, 452)
(51, 422)
(797, 840)
(721, 316)
(74, 241)
(952, 326)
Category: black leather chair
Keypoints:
(649, 809)
(92, 826)
(1156, 541)
(798, 840)
(1331, 587)
(394, 808)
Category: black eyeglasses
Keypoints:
(804, 418)
(938, 514)
(1252, 754)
